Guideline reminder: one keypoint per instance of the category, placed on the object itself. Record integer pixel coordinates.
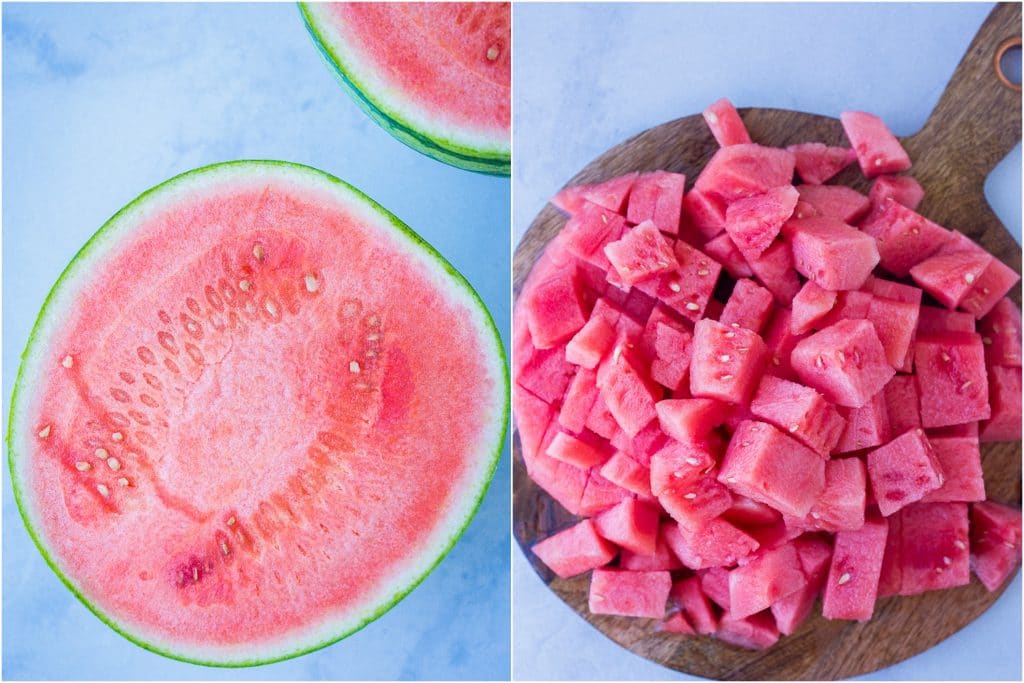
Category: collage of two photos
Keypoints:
(511, 341)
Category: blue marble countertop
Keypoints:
(590, 76)
(101, 102)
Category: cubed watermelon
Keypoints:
(904, 238)
(895, 322)
(754, 222)
(800, 411)
(951, 377)
(703, 216)
(714, 583)
(641, 447)
(891, 579)
(852, 585)
(897, 291)
(850, 305)
(934, 551)
(833, 254)
(902, 188)
(723, 250)
(791, 611)
(766, 577)
(687, 289)
(995, 542)
(781, 340)
(756, 632)
(676, 622)
(555, 309)
(627, 391)
(589, 345)
(663, 559)
(810, 305)
(642, 253)
(1004, 387)
(689, 597)
(903, 471)
(933, 319)
(690, 419)
(949, 277)
(744, 170)
(816, 162)
(845, 362)
(959, 458)
(679, 461)
(657, 197)
(842, 502)
(749, 306)
(714, 544)
(582, 451)
(696, 500)
(600, 494)
(575, 550)
(673, 350)
(774, 268)
(545, 374)
(747, 513)
(1001, 333)
(994, 281)
(630, 524)
(878, 150)
(578, 401)
(629, 594)
(727, 361)
(587, 232)
(624, 471)
(836, 201)
(902, 404)
(611, 194)
(764, 464)
(866, 426)
(725, 124)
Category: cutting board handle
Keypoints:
(978, 118)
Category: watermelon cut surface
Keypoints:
(246, 413)
(995, 542)
(444, 88)
(878, 150)
(816, 162)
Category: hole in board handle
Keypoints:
(1007, 63)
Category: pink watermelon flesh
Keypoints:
(951, 377)
(890, 579)
(670, 364)
(995, 542)
(725, 124)
(624, 471)
(895, 322)
(774, 268)
(764, 464)
(587, 232)
(679, 461)
(866, 426)
(816, 162)
(1004, 386)
(780, 340)
(642, 253)
(575, 550)
(934, 550)
(810, 305)
(676, 623)
(842, 502)
(835, 201)
(791, 611)
(852, 585)
(902, 403)
(1001, 334)
(546, 374)
(630, 524)
(903, 471)
(583, 452)
(749, 306)
(850, 305)
(611, 194)
(690, 419)
(897, 291)
(688, 288)
(949, 277)
(933, 319)
(723, 250)
(555, 310)
(714, 544)
(726, 361)
(904, 238)
(878, 150)
(599, 494)
(629, 594)
(754, 222)
(589, 345)
(747, 513)
(703, 216)
(988, 287)
(696, 500)
(959, 459)
(688, 596)
(662, 559)
(577, 403)
(845, 362)
(714, 583)
(830, 252)
(533, 417)
(657, 197)
(767, 577)
(745, 170)
(901, 188)
(626, 390)
(643, 446)
(756, 632)
(800, 411)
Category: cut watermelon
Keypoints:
(723, 250)
(756, 632)
(852, 585)
(630, 524)
(904, 238)
(995, 542)
(676, 623)
(901, 188)
(444, 89)
(891, 578)
(949, 277)
(688, 595)
(591, 343)
(934, 551)
(657, 197)
(688, 288)
(845, 362)
(1001, 334)
(791, 611)
(951, 378)
(774, 268)
(629, 594)
(816, 162)
(866, 426)
(714, 544)
(745, 170)
(780, 340)
(627, 391)
(703, 215)
(624, 471)
(850, 305)
(714, 583)
(611, 195)
(244, 357)
(662, 559)
(642, 253)
(959, 458)
(810, 305)
(902, 404)
(800, 411)
(897, 291)
(581, 452)
(990, 285)
(725, 124)
(895, 322)
(835, 201)
(753, 222)
(575, 550)
(690, 419)
(1004, 387)
(555, 309)
(903, 471)
(933, 319)
(841, 504)
(696, 500)
(878, 150)
(576, 406)
(749, 306)
(765, 578)
(589, 230)
(600, 494)
(726, 361)
(830, 252)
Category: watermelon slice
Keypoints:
(842, 502)
(725, 123)
(878, 150)
(901, 188)
(959, 458)
(816, 163)
(749, 306)
(581, 452)
(995, 542)
(690, 419)
(575, 550)
(1001, 334)
(630, 524)
(444, 89)
(949, 277)
(766, 577)
(904, 238)
(896, 323)
(590, 344)
(810, 305)
(253, 318)
(800, 411)
(657, 197)
(745, 170)
(642, 253)
(726, 361)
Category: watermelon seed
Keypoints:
(674, 286)
(372, 353)
(68, 361)
(963, 387)
(703, 271)
(258, 252)
(725, 358)
(44, 432)
(776, 361)
(946, 561)
(117, 436)
(712, 117)
(604, 219)
(353, 367)
(312, 283)
(224, 549)
(372, 337)
(939, 570)
(692, 461)
(969, 278)
(915, 231)
(690, 496)
(842, 356)
(986, 340)
(730, 335)
(678, 474)
(271, 307)
(816, 515)
(819, 362)
(793, 428)
(104, 491)
(726, 378)
(231, 521)
(195, 571)
(959, 544)
(113, 463)
(945, 357)
(731, 480)
(984, 290)
(692, 307)
(1009, 544)
(244, 285)
(123, 481)
(101, 453)
(845, 578)
(492, 52)
(83, 466)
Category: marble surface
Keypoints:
(101, 102)
(589, 76)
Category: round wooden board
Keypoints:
(974, 126)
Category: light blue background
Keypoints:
(102, 102)
(590, 76)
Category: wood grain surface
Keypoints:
(975, 124)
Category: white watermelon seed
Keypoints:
(845, 578)
(244, 285)
(68, 361)
(816, 515)
(312, 283)
(730, 335)
(224, 548)
(372, 353)
(231, 521)
(819, 362)
(353, 367)
(736, 325)
(969, 278)
(946, 561)
(794, 428)
(945, 357)
(959, 544)
(104, 491)
(372, 337)
(703, 271)
(83, 466)
(984, 290)
(674, 286)
(271, 307)
(986, 340)
(117, 436)
(712, 118)
(776, 361)
(725, 358)
(915, 231)
(258, 252)
(114, 463)
(690, 496)
(492, 52)
(963, 387)
(692, 307)
(1009, 544)
(939, 570)
(692, 461)
(616, 353)
(726, 378)
(101, 453)
(842, 356)
(195, 574)
(123, 481)
(731, 480)
(677, 474)
(878, 161)
(44, 432)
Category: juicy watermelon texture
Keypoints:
(878, 150)
(753, 222)
(817, 163)
(725, 124)
(995, 542)
(575, 550)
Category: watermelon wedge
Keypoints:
(240, 380)
(436, 76)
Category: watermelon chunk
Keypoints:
(897, 291)
(723, 250)
(690, 419)
(657, 197)
(895, 322)
(624, 471)
(764, 464)
(816, 162)
(689, 597)
(546, 374)
(714, 582)
(959, 458)
(563, 482)
(714, 544)
(630, 524)
(589, 229)
(791, 611)
(663, 559)
(866, 426)
(642, 446)
(591, 343)
(835, 201)
(830, 252)
(995, 542)
(842, 502)
(703, 215)
(902, 404)
(933, 319)
(745, 170)
(555, 309)
(903, 471)
(800, 411)
(626, 390)
(1004, 386)
(852, 585)
(949, 277)
(780, 340)
(756, 632)
(901, 188)
(575, 550)
(726, 361)
(994, 281)
(748, 513)
(845, 362)
(725, 124)
(934, 551)
(629, 594)
(611, 194)
(1001, 334)
(774, 268)
(695, 500)
(766, 577)
(679, 461)
(673, 350)
(753, 222)
(749, 306)
(810, 305)
(687, 289)
(878, 150)
(577, 404)
(951, 378)
(599, 494)
(891, 578)
(581, 452)
(850, 305)
(642, 253)
(904, 238)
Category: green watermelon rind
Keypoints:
(67, 275)
(436, 147)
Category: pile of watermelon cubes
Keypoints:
(813, 432)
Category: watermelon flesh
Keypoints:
(995, 542)
(831, 253)
(1001, 334)
(835, 201)
(878, 150)
(903, 471)
(845, 362)
(725, 124)
(657, 197)
(764, 579)
(901, 188)
(852, 585)
(753, 222)
(575, 550)
(816, 163)
(810, 305)
(444, 89)
(952, 379)
(266, 351)
(629, 593)
(934, 549)
(1004, 386)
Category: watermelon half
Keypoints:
(255, 411)
(435, 75)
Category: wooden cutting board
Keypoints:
(976, 123)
